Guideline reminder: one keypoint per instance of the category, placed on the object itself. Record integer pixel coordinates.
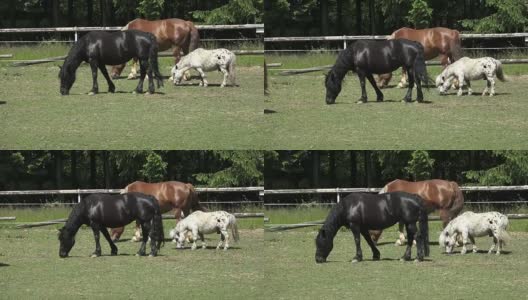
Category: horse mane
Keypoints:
(333, 221)
(344, 62)
(74, 221)
(73, 59)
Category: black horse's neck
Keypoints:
(333, 221)
(75, 220)
(75, 57)
(344, 63)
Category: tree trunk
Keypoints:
(93, 169)
(74, 181)
(89, 12)
(12, 13)
(366, 167)
(315, 169)
(324, 17)
(102, 10)
(332, 168)
(55, 13)
(371, 16)
(353, 168)
(339, 16)
(359, 30)
(71, 16)
(106, 169)
(58, 169)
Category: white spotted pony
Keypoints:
(202, 60)
(470, 225)
(199, 223)
(466, 69)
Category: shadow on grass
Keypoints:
(3, 102)
(479, 252)
(4, 265)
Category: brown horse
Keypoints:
(438, 194)
(181, 34)
(438, 41)
(171, 195)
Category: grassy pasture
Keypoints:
(34, 115)
(293, 273)
(32, 269)
(302, 120)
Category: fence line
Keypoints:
(117, 28)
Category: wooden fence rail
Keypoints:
(59, 221)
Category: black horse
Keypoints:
(101, 210)
(378, 57)
(362, 212)
(99, 48)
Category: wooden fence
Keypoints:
(79, 192)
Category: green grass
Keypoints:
(31, 268)
(34, 115)
(472, 276)
(302, 120)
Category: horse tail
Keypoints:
(420, 69)
(153, 60)
(234, 227)
(458, 201)
(424, 228)
(157, 225)
(195, 38)
(231, 69)
(499, 71)
(194, 200)
(455, 47)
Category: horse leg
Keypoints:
(492, 83)
(226, 74)
(202, 238)
(225, 238)
(137, 233)
(460, 78)
(117, 232)
(95, 228)
(419, 93)
(357, 239)
(143, 69)
(95, 87)
(464, 241)
(150, 80)
(153, 248)
(361, 76)
(408, 96)
(486, 89)
(411, 231)
(403, 80)
(111, 86)
(202, 75)
(109, 240)
(401, 240)
(145, 227)
(379, 94)
(470, 91)
(472, 240)
(370, 242)
(133, 71)
(195, 237)
(493, 245)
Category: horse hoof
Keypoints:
(151, 255)
(91, 93)
(94, 255)
(355, 260)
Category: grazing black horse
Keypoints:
(378, 57)
(101, 210)
(99, 48)
(362, 212)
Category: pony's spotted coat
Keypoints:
(202, 60)
(466, 69)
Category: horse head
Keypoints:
(67, 240)
(67, 78)
(333, 87)
(324, 244)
